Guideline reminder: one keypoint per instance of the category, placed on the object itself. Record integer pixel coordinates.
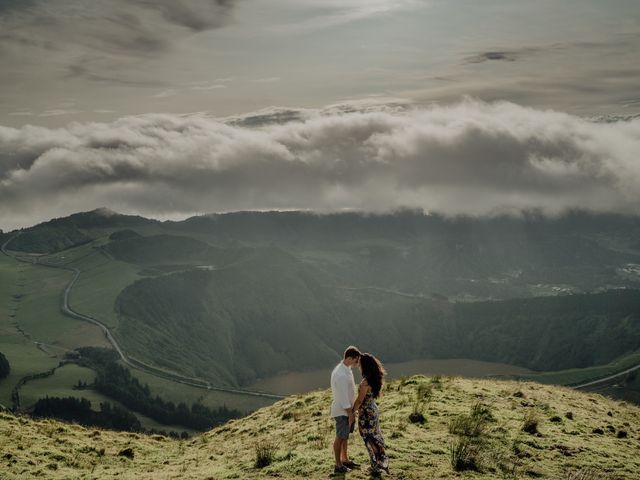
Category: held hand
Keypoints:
(352, 419)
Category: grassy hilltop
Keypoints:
(569, 435)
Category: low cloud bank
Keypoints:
(470, 158)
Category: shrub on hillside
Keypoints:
(473, 424)
(465, 454)
(5, 368)
(265, 453)
(468, 449)
(530, 423)
(589, 474)
(423, 395)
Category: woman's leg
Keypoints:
(383, 460)
(374, 447)
(373, 455)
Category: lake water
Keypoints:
(300, 382)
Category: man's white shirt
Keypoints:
(343, 388)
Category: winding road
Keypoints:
(126, 359)
(606, 379)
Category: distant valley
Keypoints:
(231, 300)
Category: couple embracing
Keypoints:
(349, 402)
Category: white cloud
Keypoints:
(469, 158)
(338, 12)
(214, 86)
(267, 80)
(165, 93)
(54, 112)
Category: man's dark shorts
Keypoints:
(342, 427)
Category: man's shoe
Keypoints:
(340, 470)
(350, 464)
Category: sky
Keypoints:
(169, 108)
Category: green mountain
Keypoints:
(266, 314)
(164, 249)
(463, 258)
(288, 315)
(48, 239)
(63, 233)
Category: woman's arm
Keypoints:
(362, 392)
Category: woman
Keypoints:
(368, 420)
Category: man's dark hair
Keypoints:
(352, 352)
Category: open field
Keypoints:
(41, 317)
(34, 334)
(101, 280)
(177, 392)
(61, 384)
(24, 356)
(37, 300)
(25, 359)
(38, 309)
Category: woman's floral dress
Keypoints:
(369, 428)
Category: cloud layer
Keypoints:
(129, 26)
(95, 38)
(470, 158)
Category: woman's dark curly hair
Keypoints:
(373, 371)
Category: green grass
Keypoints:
(23, 355)
(30, 299)
(25, 359)
(583, 375)
(101, 280)
(299, 434)
(39, 312)
(177, 392)
(60, 384)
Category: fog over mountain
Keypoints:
(471, 158)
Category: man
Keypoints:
(343, 389)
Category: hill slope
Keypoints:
(600, 440)
(273, 312)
